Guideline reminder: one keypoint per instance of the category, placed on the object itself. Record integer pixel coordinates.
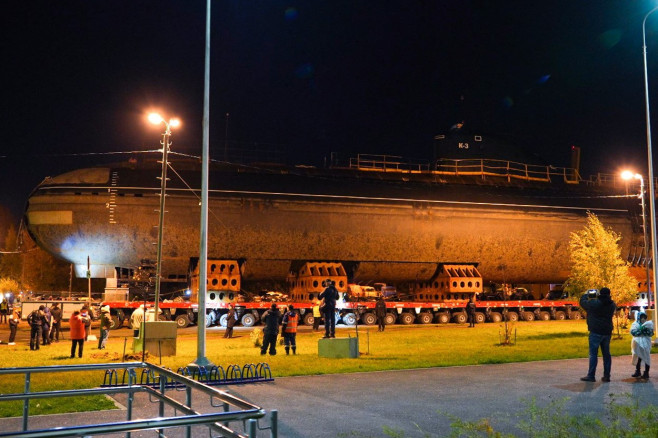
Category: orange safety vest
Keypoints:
(291, 325)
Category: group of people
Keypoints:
(325, 308)
(289, 323)
(45, 325)
(600, 310)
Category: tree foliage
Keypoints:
(31, 267)
(9, 285)
(596, 262)
(10, 263)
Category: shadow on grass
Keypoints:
(62, 357)
(558, 336)
(493, 361)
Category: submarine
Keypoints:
(385, 218)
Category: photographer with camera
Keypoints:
(600, 309)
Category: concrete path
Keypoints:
(413, 401)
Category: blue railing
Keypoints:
(154, 381)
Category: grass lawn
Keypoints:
(399, 347)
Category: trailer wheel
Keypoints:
(424, 318)
(575, 315)
(406, 318)
(460, 317)
(442, 317)
(495, 317)
(115, 322)
(512, 316)
(210, 318)
(560, 315)
(389, 319)
(349, 319)
(544, 316)
(528, 316)
(309, 319)
(369, 318)
(223, 320)
(182, 320)
(480, 317)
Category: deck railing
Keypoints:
(466, 167)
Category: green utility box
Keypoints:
(338, 347)
(158, 336)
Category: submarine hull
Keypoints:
(385, 230)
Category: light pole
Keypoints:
(157, 119)
(201, 359)
(652, 193)
(628, 175)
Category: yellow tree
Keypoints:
(596, 262)
(9, 285)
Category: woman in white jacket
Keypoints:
(642, 331)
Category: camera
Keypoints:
(593, 294)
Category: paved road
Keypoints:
(360, 405)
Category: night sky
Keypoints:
(303, 79)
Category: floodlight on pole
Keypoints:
(628, 175)
(157, 119)
(652, 192)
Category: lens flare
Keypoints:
(304, 71)
(610, 38)
(543, 79)
(291, 14)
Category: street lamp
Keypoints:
(157, 119)
(652, 193)
(201, 359)
(628, 175)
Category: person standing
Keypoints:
(45, 328)
(329, 296)
(106, 323)
(77, 334)
(136, 320)
(316, 315)
(85, 316)
(4, 310)
(56, 313)
(289, 330)
(600, 309)
(231, 318)
(35, 319)
(470, 311)
(14, 319)
(642, 331)
(380, 313)
(271, 320)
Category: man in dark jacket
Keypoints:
(470, 311)
(45, 328)
(56, 312)
(600, 310)
(380, 313)
(231, 319)
(329, 297)
(36, 320)
(271, 320)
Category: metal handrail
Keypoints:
(465, 167)
(246, 412)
